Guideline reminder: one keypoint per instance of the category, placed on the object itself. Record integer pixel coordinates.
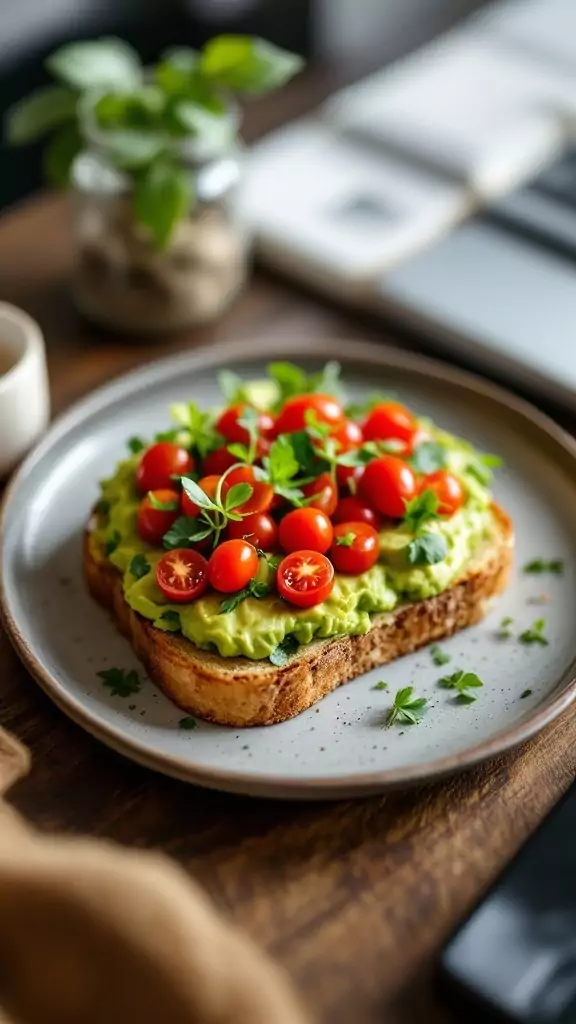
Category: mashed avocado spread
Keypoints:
(256, 627)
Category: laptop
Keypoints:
(441, 193)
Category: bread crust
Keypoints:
(240, 692)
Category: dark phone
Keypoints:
(514, 959)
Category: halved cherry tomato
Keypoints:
(259, 530)
(209, 485)
(390, 420)
(262, 494)
(447, 489)
(233, 431)
(348, 435)
(232, 565)
(356, 510)
(218, 461)
(324, 492)
(305, 578)
(152, 522)
(355, 548)
(182, 575)
(348, 477)
(293, 414)
(160, 464)
(306, 529)
(387, 484)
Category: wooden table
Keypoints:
(354, 898)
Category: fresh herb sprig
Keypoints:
(406, 708)
(535, 634)
(119, 682)
(505, 632)
(439, 657)
(292, 380)
(542, 565)
(139, 566)
(255, 588)
(217, 512)
(247, 452)
(195, 429)
(463, 682)
(427, 547)
(281, 469)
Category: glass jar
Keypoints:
(122, 280)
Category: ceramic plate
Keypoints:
(337, 748)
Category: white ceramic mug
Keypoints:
(24, 398)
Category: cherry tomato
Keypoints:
(152, 522)
(218, 461)
(232, 565)
(348, 435)
(447, 489)
(182, 575)
(262, 494)
(209, 485)
(355, 548)
(293, 414)
(305, 578)
(159, 464)
(325, 493)
(259, 530)
(390, 420)
(356, 510)
(348, 477)
(306, 528)
(233, 431)
(387, 484)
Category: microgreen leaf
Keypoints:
(480, 466)
(406, 708)
(197, 495)
(119, 682)
(428, 457)
(112, 542)
(139, 566)
(281, 654)
(135, 445)
(381, 685)
(427, 549)
(504, 631)
(162, 506)
(187, 530)
(540, 565)
(187, 723)
(439, 657)
(172, 618)
(535, 633)
(421, 509)
(238, 495)
(103, 507)
(346, 540)
(239, 451)
(255, 588)
(463, 682)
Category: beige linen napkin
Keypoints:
(91, 933)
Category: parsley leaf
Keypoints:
(505, 632)
(196, 428)
(139, 566)
(539, 565)
(439, 657)
(162, 506)
(422, 509)
(427, 549)
(428, 457)
(346, 540)
(187, 723)
(112, 542)
(186, 531)
(238, 495)
(282, 652)
(535, 633)
(171, 617)
(135, 445)
(281, 465)
(119, 682)
(380, 686)
(463, 682)
(405, 708)
(480, 467)
(525, 693)
(254, 589)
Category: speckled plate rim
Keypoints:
(351, 352)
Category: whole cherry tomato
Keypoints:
(258, 529)
(262, 493)
(182, 575)
(153, 522)
(390, 420)
(305, 578)
(356, 510)
(355, 548)
(324, 492)
(232, 565)
(305, 529)
(293, 414)
(209, 485)
(160, 464)
(447, 489)
(348, 435)
(348, 477)
(387, 484)
(233, 431)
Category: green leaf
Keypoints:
(535, 634)
(439, 657)
(328, 382)
(135, 445)
(139, 566)
(38, 113)
(103, 507)
(540, 565)
(239, 451)
(427, 549)
(214, 130)
(60, 154)
(232, 387)
(174, 73)
(119, 682)
(181, 533)
(142, 109)
(428, 457)
(463, 682)
(162, 506)
(238, 495)
(172, 618)
(480, 466)
(505, 632)
(162, 197)
(346, 540)
(255, 588)
(406, 708)
(380, 686)
(100, 63)
(112, 542)
(281, 462)
(187, 723)
(197, 495)
(525, 693)
(281, 654)
(132, 149)
(422, 509)
(291, 379)
(247, 65)
(305, 454)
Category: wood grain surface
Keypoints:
(353, 898)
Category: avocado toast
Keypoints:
(261, 555)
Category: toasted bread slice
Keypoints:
(240, 692)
